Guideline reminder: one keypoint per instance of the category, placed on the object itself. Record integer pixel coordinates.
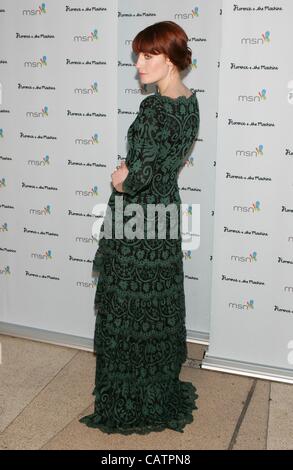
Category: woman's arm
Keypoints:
(118, 176)
(145, 148)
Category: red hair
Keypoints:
(165, 37)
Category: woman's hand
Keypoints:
(119, 175)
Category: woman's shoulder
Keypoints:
(152, 107)
(150, 101)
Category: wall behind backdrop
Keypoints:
(69, 91)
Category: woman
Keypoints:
(140, 333)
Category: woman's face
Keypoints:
(151, 68)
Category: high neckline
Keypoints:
(182, 97)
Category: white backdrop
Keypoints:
(252, 291)
(63, 82)
(69, 92)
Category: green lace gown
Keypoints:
(140, 332)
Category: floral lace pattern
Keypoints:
(140, 333)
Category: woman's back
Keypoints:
(159, 139)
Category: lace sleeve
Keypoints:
(143, 153)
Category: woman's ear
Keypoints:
(168, 61)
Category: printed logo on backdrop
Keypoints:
(253, 68)
(88, 37)
(79, 163)
(38, 114)
(232, 122)
(288, 289)
(80, 260)
(284, 260)
(247, 305)
(254, 208)
(258, 97)
(261, 39)
(282, 310)
(193, 13)
(254, 282)
(39, 11)
(6, 206)
(252, 257)
(85, 62)
(83, 10)
(46, 256)
(189, 161)
(47, 210)
(34, 36)
(41, 186)
(4, 227)
(38, 63)
(190, 188)
(257, 178)
(244, 232)
(4, 111)
(84, 114)
(87, 192)
(286, 209)
(39, 232)
(190, 228)
(22, 135)
(6, 158)
(94, 139)
(7, 250)
(193, 64)
(85, 239)
(42, 276)
(42, 162)
(92, 89)
(88, 284)
(5, 270)
(259, 9)
(79, 214)
(47, 88)
(258, 152)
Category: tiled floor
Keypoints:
(44, 389)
